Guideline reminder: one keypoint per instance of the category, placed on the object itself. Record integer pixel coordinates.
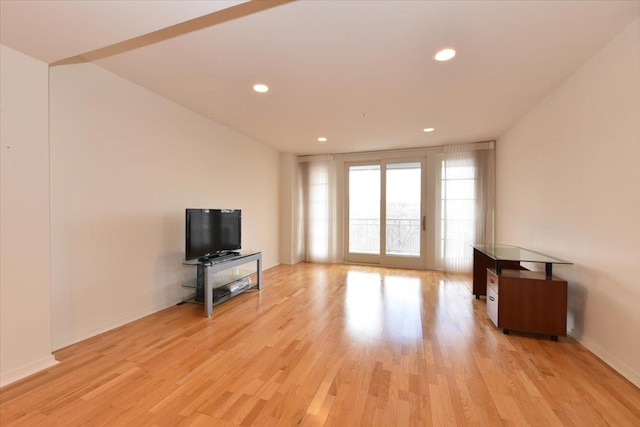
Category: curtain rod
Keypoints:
(484, 145)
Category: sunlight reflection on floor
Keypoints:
(363, 305)
(378, 306)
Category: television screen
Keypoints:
(210, 232)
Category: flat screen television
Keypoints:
(212, 232)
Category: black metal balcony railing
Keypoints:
(403, 236)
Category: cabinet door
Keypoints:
(534, 305)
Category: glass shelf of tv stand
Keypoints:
(221, 279)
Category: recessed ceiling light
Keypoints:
(445, 54)
(322, 139)
(428, 129)
(262, 88)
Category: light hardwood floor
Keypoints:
(326, 345)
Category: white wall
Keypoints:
(125, 163)
(25, 266)
(568, 184)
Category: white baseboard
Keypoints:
(606, 357)
(293, 261)
(65, 341)
(27, 370)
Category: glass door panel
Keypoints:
(364, 210)
(386, 205)
(403, 214)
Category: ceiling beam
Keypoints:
(176, 30)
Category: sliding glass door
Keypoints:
(386, 224)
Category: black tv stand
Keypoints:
(207, 276)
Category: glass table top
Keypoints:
(515, 253)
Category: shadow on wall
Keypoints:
(141, 253)
(169, 275)
(169, 272)
(576, 302)
(596, 284)
(114, 269)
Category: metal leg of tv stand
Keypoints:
(208, 293)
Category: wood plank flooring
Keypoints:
(332, 345)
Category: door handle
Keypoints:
(424, 223)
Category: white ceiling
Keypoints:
(329, 62)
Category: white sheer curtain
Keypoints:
(467, 200)
(318, 216)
